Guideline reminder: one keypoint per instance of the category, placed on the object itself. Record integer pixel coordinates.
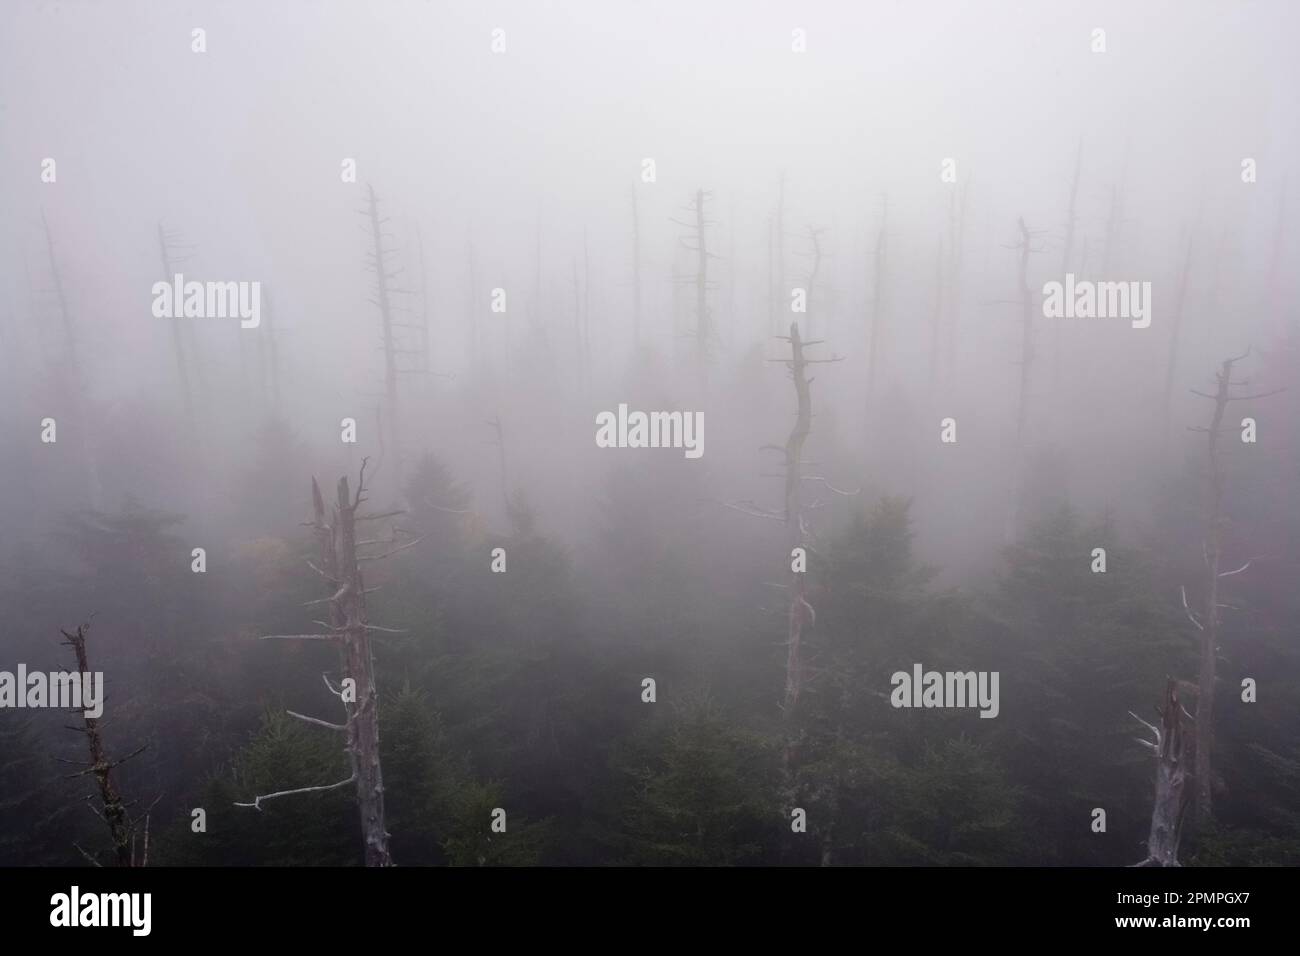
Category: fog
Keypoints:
(863, 167)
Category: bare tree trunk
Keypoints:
(1026, 334)
(1016, 511)
(1274, 285)
(73, 372)
(1067, 259)
(772, 291)
(114, 813)
(1209, 619)
(800, 612)
(578, 349)
(1207, 677)
(874, 322)
(936, 320)
(512, 516)
(814, 238)
(1216, 280)
(703, 323)
(348, 626)
(782, 293)
(1170, 751)
(800, 615)
(702, 326)
(1114, 220)
(386, 318)
(167, 254)
(956, 244)
(1071, 219)
(426, 339)
(363, 713)
(636, 273)
(731, 275)
(586, 310)
(272, 352)
(1171, 364)
(472, 310)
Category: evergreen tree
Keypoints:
(695, 789)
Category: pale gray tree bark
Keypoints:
(1170, 748)
(340, 565)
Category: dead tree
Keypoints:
(874, 317)
(698, 244)
(473, 308)
(636, 273)
(815, 242)
(172, 252)
(800, 613)
(1113, 219)
(1221, 252)
(1171, 363)
(1071, 219)
(512, 513)
(349, 628)
(1027, 354)
(73, 372)
(378, 261)
(398, 326)
(272, 351)
(1169, 747)
(701, 280)
(731, 273)
(782, 293)
(1067, 258)
(936, 319)
(586, 308)
(794, 515)
(115, 811)
(65, 313)
(1026, 331)
(1273, 287)
(579, 350)
(426, 344)
(772, 292)
(956, 245)
(1209, 619)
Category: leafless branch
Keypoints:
(752, 510)
(1191, 615)
(257, 801)
(90, 859)
(322, 573)
(316, 720)
(838, 491)
(386, 514)
(1228, 574)
(386, 554)
(1248, 398)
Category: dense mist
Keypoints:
(705, 377)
